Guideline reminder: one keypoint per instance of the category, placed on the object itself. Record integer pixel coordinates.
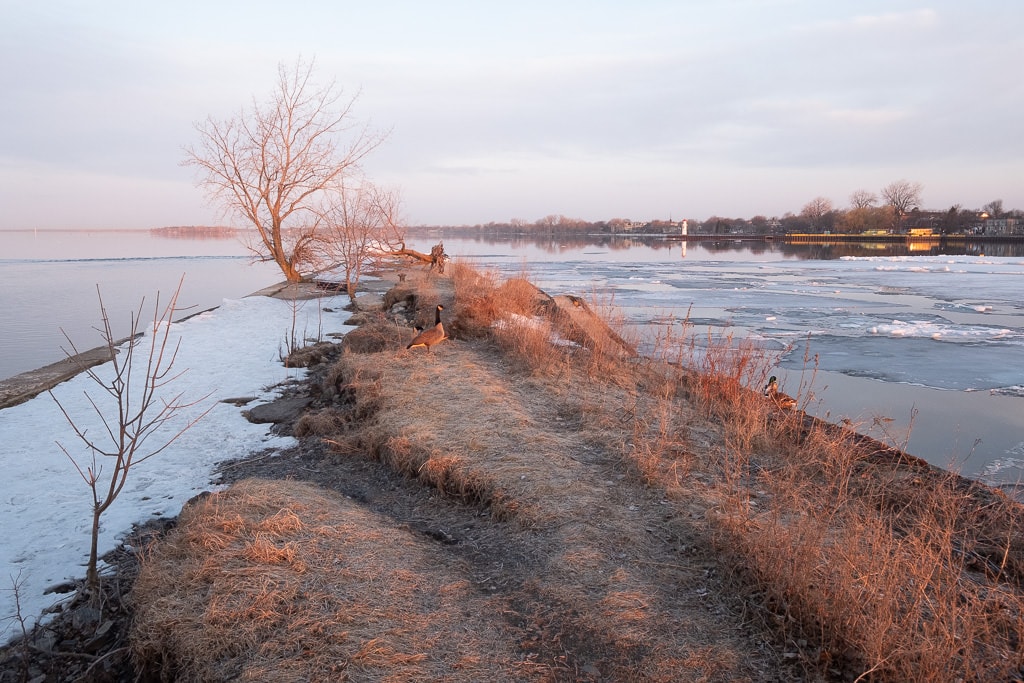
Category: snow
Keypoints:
(45, 506)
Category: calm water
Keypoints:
(49, 280)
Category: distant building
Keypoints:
(1002, 226)
(653, 227)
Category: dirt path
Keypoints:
(591, 573)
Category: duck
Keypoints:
(771, 390)
(431, 335)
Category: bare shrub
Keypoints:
(360, 226)
(136, 408)
(23, 645)
(294, 339)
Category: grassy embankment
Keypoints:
(516, 509)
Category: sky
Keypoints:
(594, 110)
(45, 513)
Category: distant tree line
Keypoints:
(896, 207)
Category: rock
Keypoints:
(84, 619)
(313, 354)
(44, 640)
(281, 411)
(103, 638)
(196, 498)
(63, 587)
(239, 401)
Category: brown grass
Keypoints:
(379, 335)
(283, 581)
(639, 520)
(869, 560)
(885, 586)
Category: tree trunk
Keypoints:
(412, 253)
(436, 257)
(92, 574)
(290, 273)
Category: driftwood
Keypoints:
(436, 257)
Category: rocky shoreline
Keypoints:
(27, 385)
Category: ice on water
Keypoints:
(953, 322)
(879, 331)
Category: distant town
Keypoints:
(817, 219)
(892, 215)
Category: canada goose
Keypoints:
(431, 335)
(771, 390)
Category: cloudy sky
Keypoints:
(597, 109)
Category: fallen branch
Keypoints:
(436, 258)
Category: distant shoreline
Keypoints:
(826, 238)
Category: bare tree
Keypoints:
(863, 199)
(994, 208)
(901, 196)
(873, 218)
(816, 210)
(276, 164)
(136, 408)
(359, 228)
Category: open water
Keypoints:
(50, 283)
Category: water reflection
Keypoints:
(647, 248)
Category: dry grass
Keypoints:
(861, 572)
(671, 524)
(506, 311)
(539, 331)
(378, 335)
(866, 559)
(482, 299)
(282, 581)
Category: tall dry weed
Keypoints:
(877, 577)
(861, 563)
(513, 312)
